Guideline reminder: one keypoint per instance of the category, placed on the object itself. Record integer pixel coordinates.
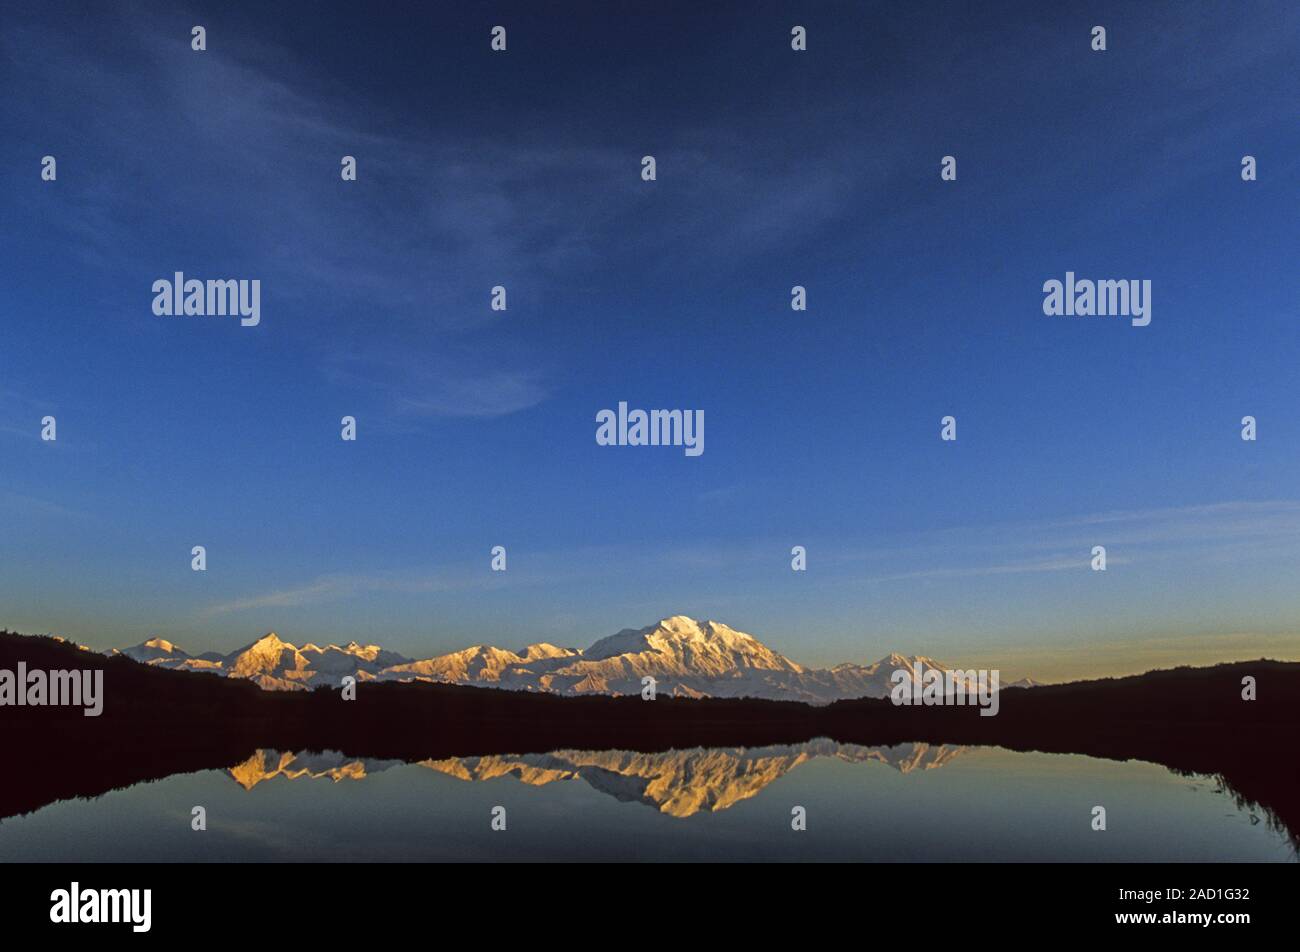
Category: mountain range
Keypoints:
(687, 658)
(160, 722)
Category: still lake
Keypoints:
(878, 804)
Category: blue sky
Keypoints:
(775, 168)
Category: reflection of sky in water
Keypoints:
(979, 804)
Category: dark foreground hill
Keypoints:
(158, 722)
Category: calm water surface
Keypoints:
(903, 803)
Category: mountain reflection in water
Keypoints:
(910, 802)
(678, 783)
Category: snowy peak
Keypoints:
(268, 642)
(479, 663)
(263, 657)
(155, 649)
(364, 652)
(682, 645)
(267, 646)
(545, 650)
(679, 629)
(276, 664)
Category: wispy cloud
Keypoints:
(1238, 529)
(416, 386)
(413, 246)
(329, 588)
(1061, 563)
(340, 586)
(20, 502)
(15, 407)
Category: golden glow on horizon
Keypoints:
(1107, 659)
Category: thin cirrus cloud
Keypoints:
(14, 502)
(331, 588)
(1233, 529)
(1225, 533)
(415, 386)
(559, 568)
(455, 218)
(456, 207)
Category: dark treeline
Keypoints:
(157, 722)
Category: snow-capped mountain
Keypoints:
(272, 663)
(480, 664)
(685, 657)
